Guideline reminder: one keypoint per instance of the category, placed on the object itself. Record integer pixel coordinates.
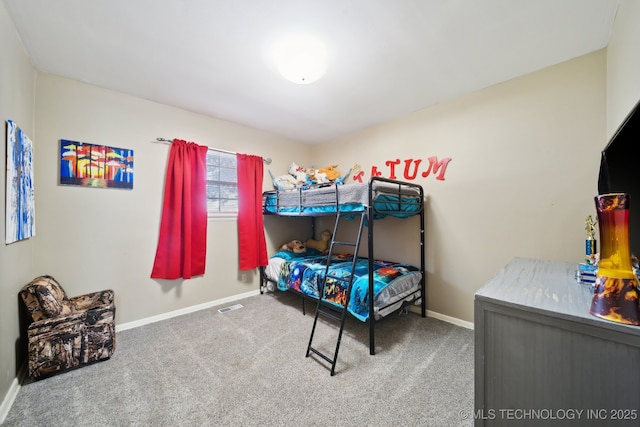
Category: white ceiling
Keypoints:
(387, 58)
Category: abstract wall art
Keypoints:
(92, 165)
(20, 197)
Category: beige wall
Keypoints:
(106, 238)
(525, 157)
(623, 64)
(17, 92)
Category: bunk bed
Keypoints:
(363, 287)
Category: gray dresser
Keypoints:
(542, 359)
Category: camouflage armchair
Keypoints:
(65, 333)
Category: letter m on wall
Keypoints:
(438, 167)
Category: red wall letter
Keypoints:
(392, 167)
(433, 161)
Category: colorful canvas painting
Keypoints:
(20, 198)
(91, 165)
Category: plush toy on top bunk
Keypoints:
(300, 177)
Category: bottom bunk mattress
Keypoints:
(393, 283)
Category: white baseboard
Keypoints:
(164, 316)
(449, 319)
(443, 317)
(5, 406)
(193, 308)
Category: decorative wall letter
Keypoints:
(433, 162)
(410, 171)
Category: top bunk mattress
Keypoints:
(389, 197)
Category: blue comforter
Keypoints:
(304, 274)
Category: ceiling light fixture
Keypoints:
(301, 59)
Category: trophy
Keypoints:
(590, 242)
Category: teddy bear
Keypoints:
(323, 244)
(295, 246)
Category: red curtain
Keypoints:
(251, 241)
(182, 244)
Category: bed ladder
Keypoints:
(326, 308)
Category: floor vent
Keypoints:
(232, 307)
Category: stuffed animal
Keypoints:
(300, 177)
(340, 180)
(321, 178)
(295, 246)
(311, 175)
(283, 182)
(330, 172)
(299, 173)
(323, 244)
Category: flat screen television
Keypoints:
(619, 171)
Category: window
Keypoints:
(222, 183)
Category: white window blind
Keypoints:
(222, 183)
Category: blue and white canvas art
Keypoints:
(20, 212)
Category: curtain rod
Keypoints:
(267, 160)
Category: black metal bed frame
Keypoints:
(368, 215)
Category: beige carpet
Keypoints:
(247, 367)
